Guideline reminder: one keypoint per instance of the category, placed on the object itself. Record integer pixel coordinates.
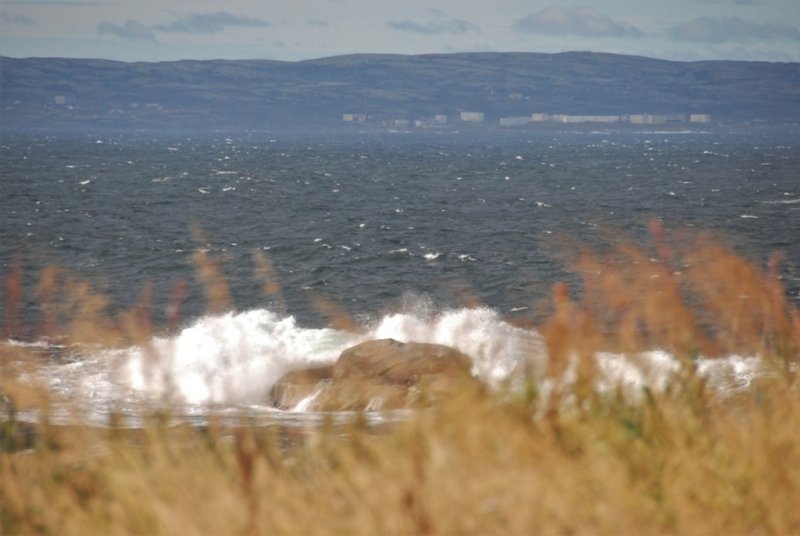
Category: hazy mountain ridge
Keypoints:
(269, 94)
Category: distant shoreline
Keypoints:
(396, 92)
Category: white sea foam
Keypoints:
(497, 348)
(40, 344)
(235, 358)
(782, 202)
(653, 370)
(231, 358)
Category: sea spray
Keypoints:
(497, 348)
(236, 358)
(231, 358)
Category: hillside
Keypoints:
(259, 94)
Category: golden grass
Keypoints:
(685, 461)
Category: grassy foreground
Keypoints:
(685, 461)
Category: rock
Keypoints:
(397, 363)
(296, 385)
(378, 374)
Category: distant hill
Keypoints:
(256, 94)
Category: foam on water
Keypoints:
(651, 369)
(497, 348)
(237, 357)
(232, 360)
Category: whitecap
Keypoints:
(230, 358)
(783, 202)
(497, 348)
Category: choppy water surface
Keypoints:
(398, 230)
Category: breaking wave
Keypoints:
(236, 358)
(232, 360)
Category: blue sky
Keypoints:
(157, 30)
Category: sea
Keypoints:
(438, 236)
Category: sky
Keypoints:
(291, 30)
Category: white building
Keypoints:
(700, 118)
(472, 117)
(647, 119)
(563, 118)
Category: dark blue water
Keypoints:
(367, 221)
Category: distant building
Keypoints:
(401, 123)
(700, 118)
(647, 119)
(440, 119)
(563, 118)
(540, 118)
(349, 118)
(514, 121)
(472, 117)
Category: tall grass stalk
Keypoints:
(685, 460)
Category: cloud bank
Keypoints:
(14, 18)
(198, 23)
(717, 30)
(211, 23)
(132, 30)
(581, 21)
(439, 26)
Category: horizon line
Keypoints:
(391, 54)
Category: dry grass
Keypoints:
(684, 461)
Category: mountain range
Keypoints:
(382, 89)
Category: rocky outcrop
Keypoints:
(297, 385)
(377, 374)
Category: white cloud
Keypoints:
(210, 23)
(439, 26)
(199, 23)
(15, 18)
(582, 21)
(317, 23)
(130, 30)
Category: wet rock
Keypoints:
(393, 362)
(295, 386)
(378, 374)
